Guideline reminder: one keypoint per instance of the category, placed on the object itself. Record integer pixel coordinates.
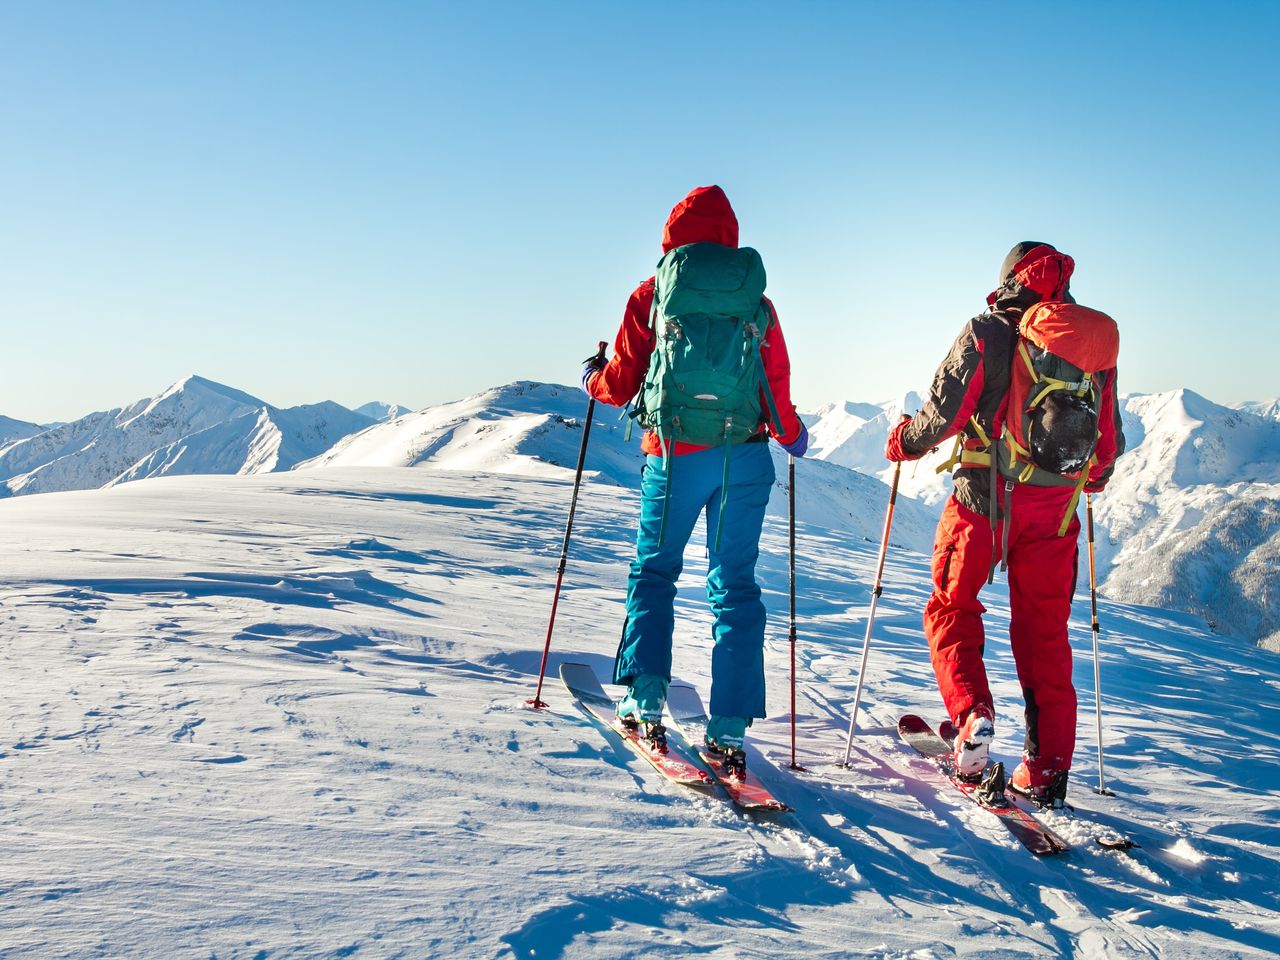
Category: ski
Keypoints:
(673, 762)
(1111, 839)
(747, 792)
(1025, 826)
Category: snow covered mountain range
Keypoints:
(11, 430)
(1191, 521)
(195, 426)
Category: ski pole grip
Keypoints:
(601, 347)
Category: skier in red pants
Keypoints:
(989, 518)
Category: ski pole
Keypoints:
(1097, 670)
(536, 702)
(791, 535)
(871, 617)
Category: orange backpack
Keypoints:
(1051, 419)
(1052, 410)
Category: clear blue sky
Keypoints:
(413, 201)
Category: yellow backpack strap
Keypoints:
(1075, 496)
(952, 460)
(1026, 358)
(965, 457)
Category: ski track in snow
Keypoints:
(284, 716)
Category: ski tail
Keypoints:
(745, 790)
(1026, 827)
(669, 758)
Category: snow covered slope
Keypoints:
(535, 429)
(256, 441)
(195, 426)
(1192, 517)
(11, 430)
(1263, 408)
(283, 716)
(1189, 522)
(853, 434)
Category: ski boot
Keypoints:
(641, 709)
(725, 738)
(1040, 783)
(972, 744)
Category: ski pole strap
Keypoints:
(724, 488)
(1008, 522)
(667, 460)
(774, 417)
(992, 511)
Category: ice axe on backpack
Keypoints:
(871, 616)
(536, 702)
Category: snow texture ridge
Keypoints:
(284, 715)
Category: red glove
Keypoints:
(1095, 486)
(893, 450)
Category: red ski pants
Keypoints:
(1042, 579)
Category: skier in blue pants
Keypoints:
(697, 485)
(737, 659)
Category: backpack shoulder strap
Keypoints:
(774, 417)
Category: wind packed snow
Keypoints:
(283, 715)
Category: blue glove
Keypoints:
(799, 445)
(590, 367)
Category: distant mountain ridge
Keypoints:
(194, 426)
(11, 430)
(378, 411)
(1189, 521)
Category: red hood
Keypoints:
(1042, 270)
(704, 216)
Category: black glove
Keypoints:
(590, 367)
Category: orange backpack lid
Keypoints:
(1087, 338)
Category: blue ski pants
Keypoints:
(697, 482)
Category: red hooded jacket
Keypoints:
(704, 216)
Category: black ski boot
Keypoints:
(1047, 796)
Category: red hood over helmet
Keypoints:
(704, 216)
(1034, 272)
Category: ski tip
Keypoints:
(910, 723)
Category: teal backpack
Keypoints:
(706, 375)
